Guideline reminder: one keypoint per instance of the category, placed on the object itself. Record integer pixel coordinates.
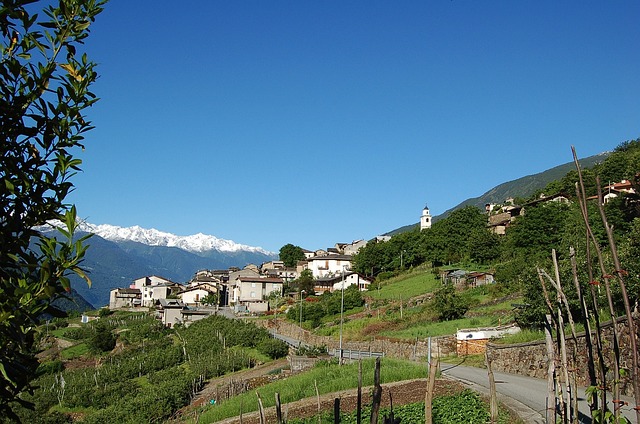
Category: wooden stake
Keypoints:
(359, 404)
(493, 405)
(551, 369)
(428, 397)
(262, 420)
(278, 409)
(315, 383)
(377, 394)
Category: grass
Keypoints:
(523, 336)
(442, 328)
(329, 378)
(405, 286)
(75, 351)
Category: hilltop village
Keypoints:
(249, 290)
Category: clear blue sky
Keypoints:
(316, 122)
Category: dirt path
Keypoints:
(209, 391)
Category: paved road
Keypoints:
(526, 395)
(527, 391)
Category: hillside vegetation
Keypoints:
(151, 373)
(126, 367)
(464, 240)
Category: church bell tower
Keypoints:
(425, 219)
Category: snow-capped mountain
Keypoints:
(117, 255)
(196, 243)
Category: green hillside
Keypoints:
(520, 188)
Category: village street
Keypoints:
(529, 394)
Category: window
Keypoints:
(253, 294)
(253, 285)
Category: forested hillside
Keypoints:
(464, 237)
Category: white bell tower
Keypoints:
(425, 219)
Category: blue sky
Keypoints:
(308, 122)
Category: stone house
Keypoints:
(477, 278)
(169, 311)
(252, 292)
(173, 311)
(124, 298)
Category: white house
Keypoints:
(350, 279)
(329, 265)
(194, 294)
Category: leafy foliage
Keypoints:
(102, 339)
(154, 376)
(449, 304)
(290, 255)
(273, 348)
(44, 86)
(326, 305)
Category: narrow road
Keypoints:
(531, 392)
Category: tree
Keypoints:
(210, 299)
(273, 348)
(449, 304)
(102, 339)
(290, 255)
(44, 91)
(305, 282)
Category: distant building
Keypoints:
(425, 219)
(329, 265)
(153, 288)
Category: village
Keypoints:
(248, 290)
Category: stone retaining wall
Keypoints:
(530, 359)
(416, 350)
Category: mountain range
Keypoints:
(117, 255)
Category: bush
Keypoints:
(449, 304)
(102, 340)
(273, 348)
(78, 333)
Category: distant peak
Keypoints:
(196, 243)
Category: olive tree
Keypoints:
(45, 81)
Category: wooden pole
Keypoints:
(428, 397)
(278, 409)
(315, 383)
(593, 381)
(336, 411)
(550, 416)
(602, 366)
(359, 404)
(493, 404)
(377, 394)
(262, 420)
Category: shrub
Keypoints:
(450, 305)
(102, 340)
(273, 348)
